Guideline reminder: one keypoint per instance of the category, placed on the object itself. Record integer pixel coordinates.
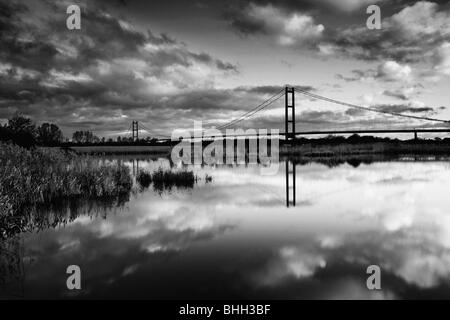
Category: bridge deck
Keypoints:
(305, 133)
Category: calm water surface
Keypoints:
(235, 238)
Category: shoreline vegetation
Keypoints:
(336, 146)
(42, 177)
(42, 187)
(306, 148)
(167, 179)
(330, 146)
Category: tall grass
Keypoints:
(167, 179)
(144, 178)
(42, 176)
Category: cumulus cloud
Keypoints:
(392, 70)
(409, 35)
(290, 262)
(358, 75)
(442, 59)
(386, 71)
(404, 93)
(419, 21)
(288, 29)
(109, 71)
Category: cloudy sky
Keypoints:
(168, 63)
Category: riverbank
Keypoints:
(42, 176)
(389, 148)
(328, 147)
(112, 150)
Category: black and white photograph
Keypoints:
(199, 150)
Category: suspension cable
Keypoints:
(316, 96)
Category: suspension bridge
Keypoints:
(291, 133)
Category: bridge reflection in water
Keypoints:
(135, 163)
(291, 183)
(290, 173)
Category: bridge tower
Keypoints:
(289, 114)
(290, 137)
(135, 130)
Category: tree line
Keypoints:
(24, 132)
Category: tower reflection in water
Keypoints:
(135, 163)
(290, 183)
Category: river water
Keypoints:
(235, 237)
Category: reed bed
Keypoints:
(144, 178)
(167, 179)
(42, 176)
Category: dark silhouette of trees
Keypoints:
(22, 131)
(5, 133)
(84, 137)
(48, 134)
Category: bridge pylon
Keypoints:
(289, 114)
(135, 131)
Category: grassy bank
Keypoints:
(42, 176)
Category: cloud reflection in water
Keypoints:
(234, 238)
